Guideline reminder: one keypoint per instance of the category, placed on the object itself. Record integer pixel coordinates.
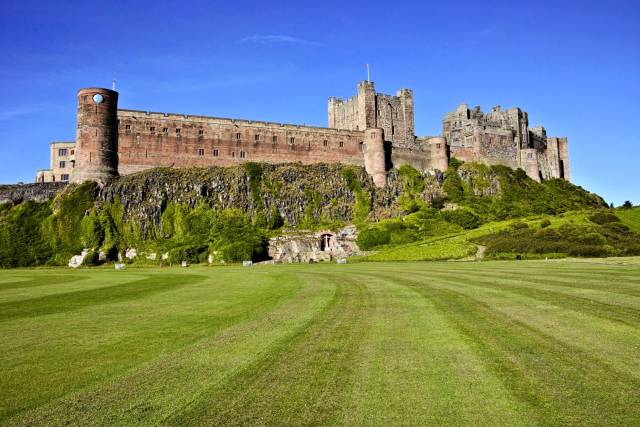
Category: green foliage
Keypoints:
(275, 219)
(627, 205)
(190, 253)
(363, 203)
(413, 185)
(545, 223)
(21, 241)
(454, 163)
(91, 259)
(254, 171)
(452, 185)
(603, 217)
(465, 218)
(608, 239)
(373, 237)
(63, 229)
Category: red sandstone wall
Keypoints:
(144, 143)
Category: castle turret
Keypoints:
(96, 136)
(374, 156)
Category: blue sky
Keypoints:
(574, 66)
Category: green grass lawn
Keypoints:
(494, 343)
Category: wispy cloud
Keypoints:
(274, 39)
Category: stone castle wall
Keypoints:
(147, 140)
(370, 129)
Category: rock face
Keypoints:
(41, 192)
(77, 260)
(318, 190)
(321, 246)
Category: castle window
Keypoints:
(62, 151)
(62, 164)
(215, 152)
(64, 177)
(84, 98)
(177, 131)
(274, 139)
(233, 154)
(292, 140)
(201, 152)
(257, 137)
(201, 132)
(152, 128)
(325, 143)
(361, 146)
(238, 136)
(127, 127)
(437, 145)
(341, 144)
(165, 130)
(72, 152)
(73, 163)
(242, 154)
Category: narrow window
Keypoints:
(437, 145)
(127, 127)
(257, 137)
(165, 130)
(237, 136)
(201, 152)
(361, 146)
(73, 152)
(274, 139)
(341, 144)
(64, 177)
(325, 143)
(233, 154)
(292, 140)
(177, 131)
(201, 132)
(242, 154)
(62, 152)
(152, 128)
(215, 152)
(63, 164)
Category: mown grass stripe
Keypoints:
(587, 282)
(624, 314)
(156, 390)
(565, 384)
(31, 281)
(303, 381)
(68, 301)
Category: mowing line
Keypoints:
(565, 384)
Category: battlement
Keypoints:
(369, 129)
(213, 120)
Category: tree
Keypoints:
(627, 205)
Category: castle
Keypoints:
(370, 129)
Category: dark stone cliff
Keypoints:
(17, 193)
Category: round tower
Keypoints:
(374, 156)
(96, 136)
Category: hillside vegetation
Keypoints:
(229, 214)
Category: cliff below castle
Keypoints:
(230, 213)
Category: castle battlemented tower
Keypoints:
(96, 152)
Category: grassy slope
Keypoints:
(449, 343)
(630, 217)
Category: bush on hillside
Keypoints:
(465, 218)
(603, 217)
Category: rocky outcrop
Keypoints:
(40, 192)
(320, 246)
(295, 190)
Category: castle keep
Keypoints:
(372, 130)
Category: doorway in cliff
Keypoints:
(325, 240)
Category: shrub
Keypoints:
(518, 225)
(373, 237)
(237, 252)
(189, 253)
(545, 223)
(465, 218)
(602, 217)
(91, 259)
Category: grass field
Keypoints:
(493, 343)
